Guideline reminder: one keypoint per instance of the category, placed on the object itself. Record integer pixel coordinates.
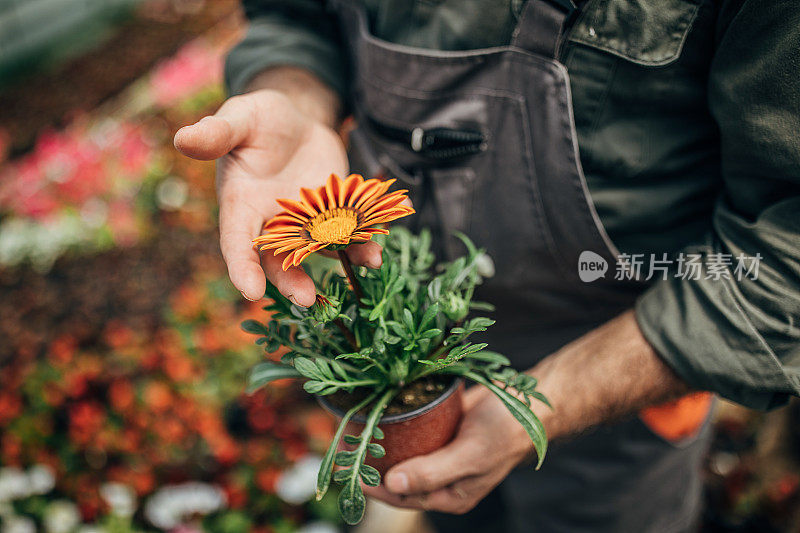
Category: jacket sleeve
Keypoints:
(299, 33)
(741, 337)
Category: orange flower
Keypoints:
(337, 214)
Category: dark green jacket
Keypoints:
(688, 119)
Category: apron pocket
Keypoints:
(453, 192)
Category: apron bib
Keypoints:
(485, 142)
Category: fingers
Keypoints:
(367, 254)
(434, 471)
(458, 498)
(214, 136)
(293, 283)
(238, 226)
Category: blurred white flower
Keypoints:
(318, 527)
(171, 193)
(41, 479)
(120, 498)
(13, 241)
(61, 516)
(18, 524)
(166, 508)
(298, 484)
(14, 484)
(94, 212)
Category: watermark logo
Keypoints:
(690, 266)
(591, 266)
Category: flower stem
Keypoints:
(347, 333)
(351, 275)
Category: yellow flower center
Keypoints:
(334, 226)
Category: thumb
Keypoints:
(431, 472)
(216, 135)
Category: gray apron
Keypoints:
(485, 141)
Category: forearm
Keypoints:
(606, 374)
(307, 92)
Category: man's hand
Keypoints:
(608, 373)
(269, 142)
(488, 445)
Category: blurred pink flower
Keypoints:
(192, 68)
(133, 150)
(122, 220)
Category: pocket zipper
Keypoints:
(435, 143)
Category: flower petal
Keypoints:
(332, 187)
(388, 215)
(362, 189)
(347, 188)
(283, 220)
(387, 202)
(313, 198)
(370, 196)
(300, 208)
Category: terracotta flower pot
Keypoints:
(417, 432)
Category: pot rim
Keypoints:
(400, 417)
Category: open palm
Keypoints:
(266, 149)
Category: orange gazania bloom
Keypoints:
(339, 213)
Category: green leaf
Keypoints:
(346, 458)
(480, 323)
(326, 467)
(267, 372)
(339, 370)
(351, 497)
(341, 476)
(542, 398)
(377, 433)
(430, 314)
(408, 319)
(471, 249)
(255, 327)
(370, 476)
(431, 333)
(352, 503)
(306, 366)
(487, 356)
(530, 422)
(314, 387)
(376, 450)
(352, 439)
(325, 369)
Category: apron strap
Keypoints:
(541, 26)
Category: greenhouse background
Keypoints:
(122, 365)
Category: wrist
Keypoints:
(309, 95)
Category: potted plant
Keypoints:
(384, 349)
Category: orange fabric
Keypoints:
(679, 418)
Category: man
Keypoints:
(633, 170)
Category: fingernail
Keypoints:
(246, 297)
(294, 300)
(397, 482)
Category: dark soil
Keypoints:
(411, 397)
(81, 295)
